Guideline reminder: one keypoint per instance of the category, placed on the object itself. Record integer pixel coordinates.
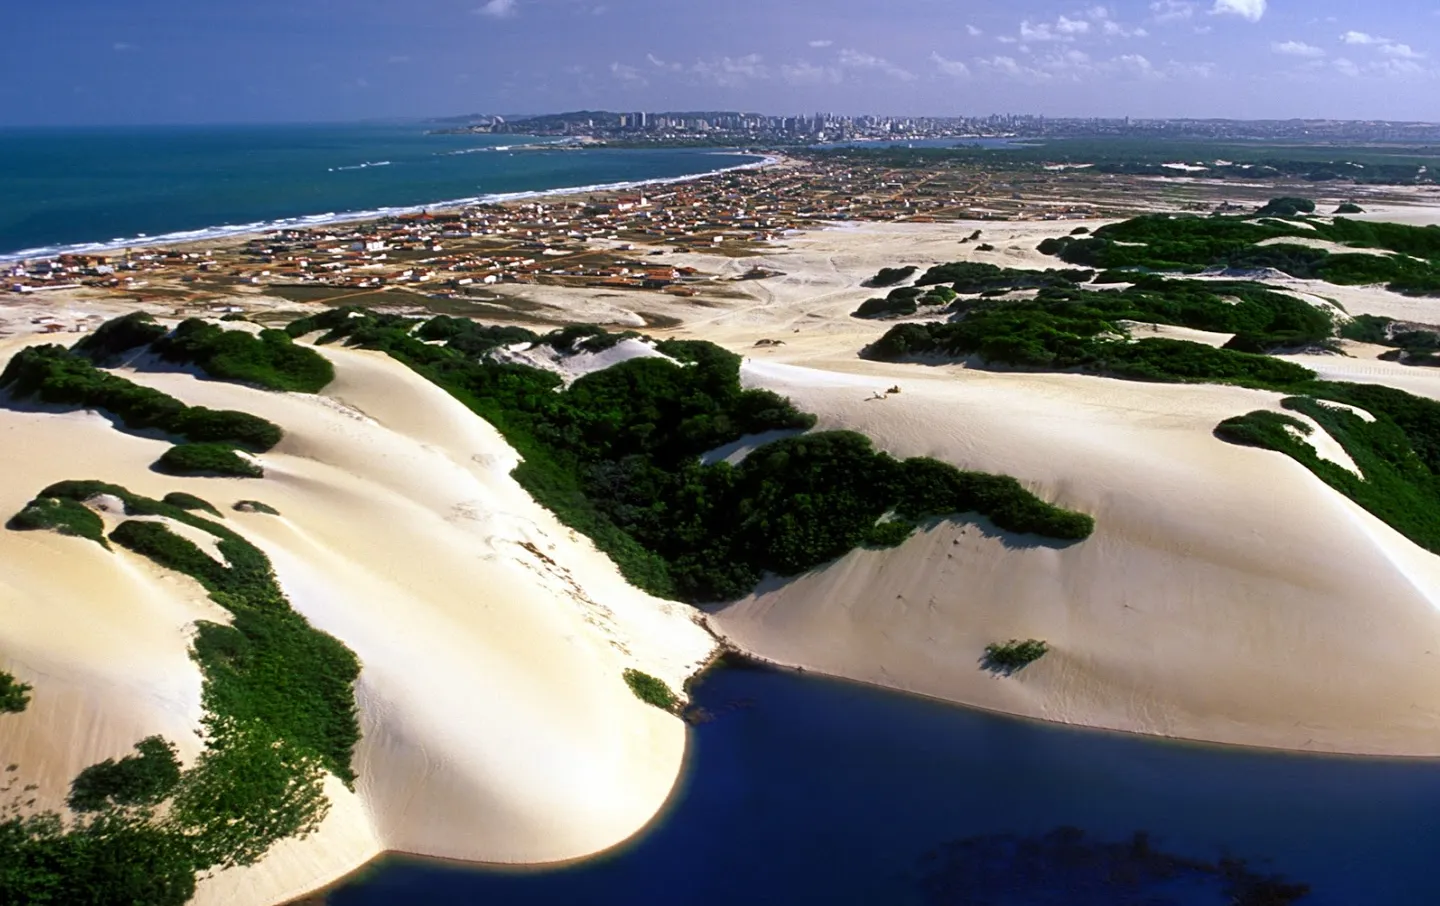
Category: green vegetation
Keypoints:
(1261, 428)
(1412, 346)
(68, 517)
(977, 277)
(651, 691)
(280, 710)
(115, 858)
(1089, 331)
(269, 665)
(904, 300)
(207, 460)
(1349, 207)
(889, 276)
(1244, 160)
(1012, 656)
(54, 375)
(616, 456)
(249, 790)
(255, 506)
(465, 335)
(1190, 244)
(938, 295)
(1398, 454)
(146, 778)
(270, 360)
(899, 303)
(14, 696)
(118, 336)
(1286, 207)
(190, 502)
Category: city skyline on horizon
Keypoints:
(175, 61)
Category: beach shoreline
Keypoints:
(238, 233)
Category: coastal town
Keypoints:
(603, 240)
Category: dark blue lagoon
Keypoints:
(808, 790)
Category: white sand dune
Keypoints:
(1227, 594)
(497, 726)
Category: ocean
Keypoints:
(81, 188)
(804, 789)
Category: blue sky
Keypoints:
(156, 61)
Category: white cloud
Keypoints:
(854, 59)
(123, 47)
(1007, 66)
(1297, 49)
(1346, 67)
(1359, 37)
(1074, 65)
(1134, 66)
(1401, 51)
(805, 73)
(824, 42)
(1395, 50)
(1172, 10)
(973, 31)
(1252, 10)
(1114, 29)
(1064, 29)
(628, 75)
(498, 9)
(662, 64)
(731, 72)
(1401, 69)
(953, 68)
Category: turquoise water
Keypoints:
(63, 188)
(808, 790)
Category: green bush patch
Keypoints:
(1010, 657)
(67, 517)
(651, 691)
(1089, 331)
(977, 277)
(1190, 244)
(255, 506)
(219, 460)
(190, 502)
(119, 336)
(14, 695)
(1398, 454)
(146, 778)
(269, 665)
(889, 276)
(54, 375)
(271, 360)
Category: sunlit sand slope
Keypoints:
(497, 725)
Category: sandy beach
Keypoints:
(1228, 595)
